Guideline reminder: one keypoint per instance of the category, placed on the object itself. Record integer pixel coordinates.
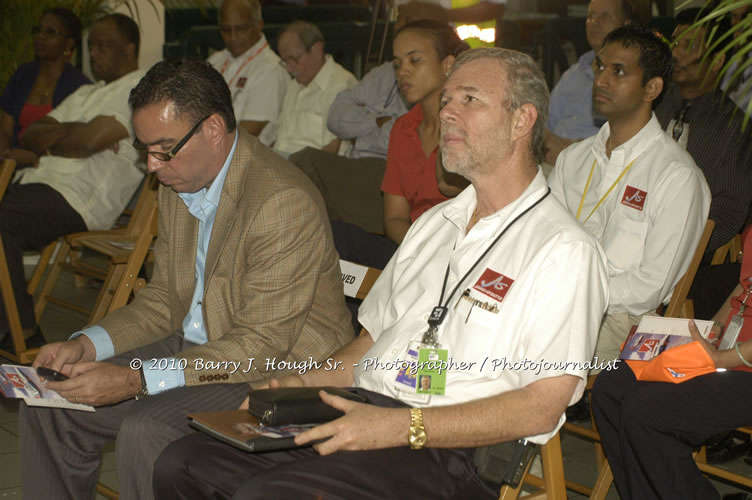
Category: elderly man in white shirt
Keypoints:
(318, 80)
(632, 186)
(251, 69)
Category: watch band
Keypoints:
(417, 435)
(144, 391)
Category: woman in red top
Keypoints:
(424, 52)
(649, 429)
(37, 87)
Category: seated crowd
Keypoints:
(511, 223)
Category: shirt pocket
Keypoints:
(624, 242)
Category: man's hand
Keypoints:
(363, 427)
(98, 383)
(62, 356)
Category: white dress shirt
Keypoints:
(302, 122)
(100, 186)
(549, 314)
(257, 83)
(650, 223)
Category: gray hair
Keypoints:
(308, 33)
(525, 84)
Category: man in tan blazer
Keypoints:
(246, 278)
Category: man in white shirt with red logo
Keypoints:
(632, 186)
(251, 69)
(500, 284)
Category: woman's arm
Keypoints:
(396, 217)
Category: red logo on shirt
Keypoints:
(634, 198)
(241, 82)
(493, 284)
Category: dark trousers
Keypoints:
(31, 217)
(199, 466)
(351, 187)
(61, 450)
(649, 429)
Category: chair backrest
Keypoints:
(7, 168)
(679, 307)
(147, 199)
(358, 279)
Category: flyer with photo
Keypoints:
(22, 382)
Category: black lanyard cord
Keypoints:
(493, 244)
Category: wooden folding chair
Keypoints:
(678, 307)
(21, 355)
(126, 250)
(551, 486)
(732, 250)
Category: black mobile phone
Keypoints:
(49, 374)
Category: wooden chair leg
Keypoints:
(44, 259)
(11, 309)
(49, 283)
(603, 483)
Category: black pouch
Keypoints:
(296, 405)
(504, 463)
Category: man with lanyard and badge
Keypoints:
(632, 186)
(251, 69)
(497, 295)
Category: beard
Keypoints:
(457, 158)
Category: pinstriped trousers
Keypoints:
(61, 450)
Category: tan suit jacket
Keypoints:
(273, 286)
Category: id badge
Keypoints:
(732, 332)
(406, 381)
(432, 366)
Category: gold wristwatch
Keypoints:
(417, 435)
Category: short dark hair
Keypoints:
(654, 55)
(193, 86)
(69, 19)
(127, 28)
(445, 38)
(721, 25)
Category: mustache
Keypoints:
(451, 129)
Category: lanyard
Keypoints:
(250, 58)
(438, 313)
(587, 188)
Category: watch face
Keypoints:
(417, 437)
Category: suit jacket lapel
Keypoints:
(227, 209)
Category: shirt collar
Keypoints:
(207, 199)
(253, 48)
(633, 147)
(459, 210)
(325, 74)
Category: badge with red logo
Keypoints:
(241, 82)
(634, 198)
(493, 284)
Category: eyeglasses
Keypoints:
(37, 29)
(159, 155)
(228, 29)
(292, 60)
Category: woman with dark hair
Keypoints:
(37, 87)
(414, 181)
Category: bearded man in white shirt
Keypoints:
(632, 186)
(251, 69)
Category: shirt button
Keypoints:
(195, 324)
